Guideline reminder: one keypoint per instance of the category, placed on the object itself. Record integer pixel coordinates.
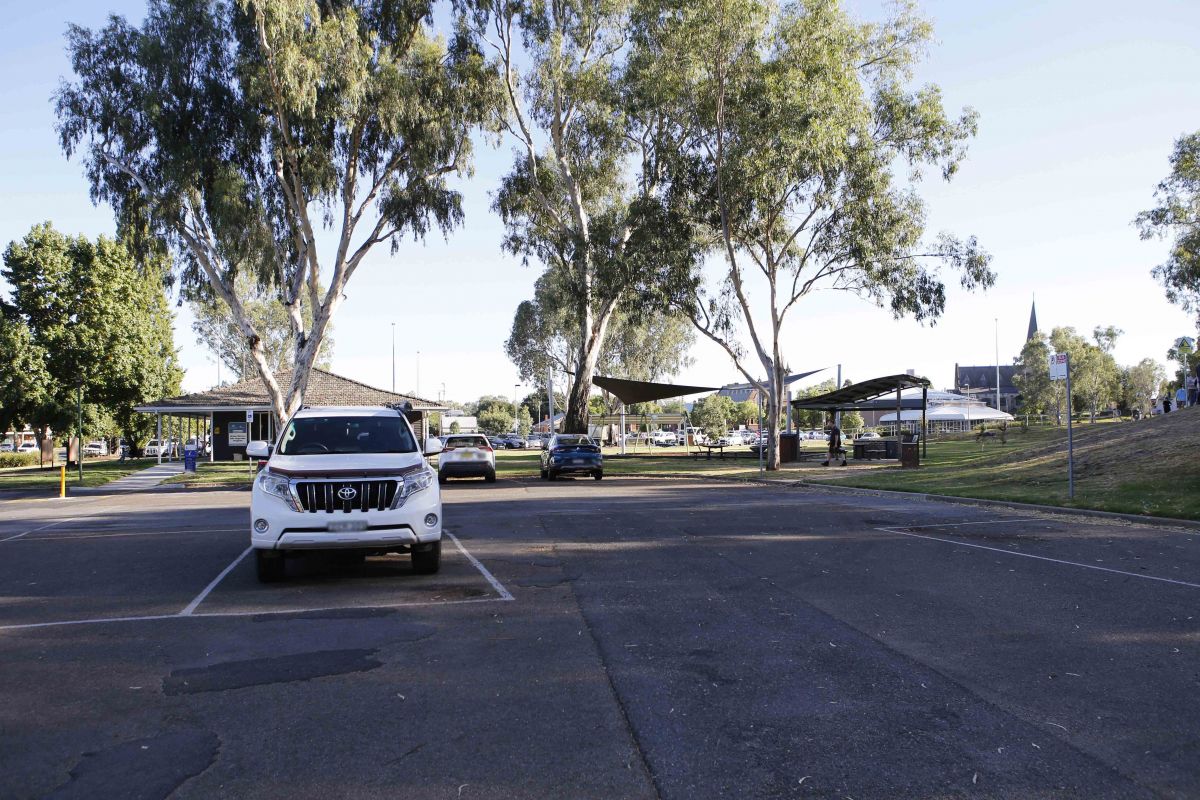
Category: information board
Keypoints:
(239, 434)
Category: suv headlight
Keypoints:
(417, 482)
(277, 487)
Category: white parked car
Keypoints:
(27, 447)
(6, 447)
(168, 449)
(664, 438)
(352, 479)
(467, 455)
(95, 449)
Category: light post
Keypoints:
(418, 373)
(516, 409)
(393, 358)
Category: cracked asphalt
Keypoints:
(664, 639)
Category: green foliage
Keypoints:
(1032, 377)
(852, 420)
(1184, 356)
(715, 414)
(99, 323)
(455, 427)
(1178, 214)
(489, 402)
(236, 131)
(9, 460)
(496, 420)
(745, 413)
(524, 421)
(23, 378)
(787, 124)
(1095, 376)
(812, 419)
(1139, 385)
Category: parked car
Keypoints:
(27, 447)
(154, 448)
(868, 435)
(351, 479)
(467, 455)
(6, 447)
(697, 435)
(96, 448)
(571, 453)
(664, 438)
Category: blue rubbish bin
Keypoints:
(189, 459)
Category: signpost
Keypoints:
(1060, 370)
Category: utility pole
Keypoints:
(418, 373)
(997, 321)
(393, 358)
(79, 443)
(550, 400)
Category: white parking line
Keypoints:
(1040, 558)
(198, 599)
(44, 527)
(497, 585)
(189, 612)
(89, 535)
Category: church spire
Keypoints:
(1033, 328)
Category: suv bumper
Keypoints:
(288, 529)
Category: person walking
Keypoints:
(1180, 398)
(835, 447)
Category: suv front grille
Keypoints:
(331, 496)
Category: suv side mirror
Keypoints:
(433, 446)
(258, 449)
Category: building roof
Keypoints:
(952, 413)
(324, 389)
(984, 377)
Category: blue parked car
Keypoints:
(571, 453)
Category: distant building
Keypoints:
(979, 382)
(467, 423)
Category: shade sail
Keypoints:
(862, 395)
(644, 391)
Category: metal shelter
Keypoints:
(869, 396)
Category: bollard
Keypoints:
(62, 481)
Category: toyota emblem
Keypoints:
(347, 492)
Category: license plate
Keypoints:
(468, 456)
(578, 461)
(348, 525)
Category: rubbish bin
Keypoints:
(789, 448)
(189, 459)
(910, 452)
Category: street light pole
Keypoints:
(997, 321)
(393, 358)
(516, 410)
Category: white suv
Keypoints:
(467, 455)
(347, 479)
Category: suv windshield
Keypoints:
(320, 435)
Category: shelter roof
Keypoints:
(645, 391)
(324, 389)
(863, 395)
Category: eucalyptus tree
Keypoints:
(1032, 378)
(1178, 214)
(789, 124)
(251, 134)
(581, 198)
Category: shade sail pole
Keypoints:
(622, 429)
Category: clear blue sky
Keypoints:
(1079, 105)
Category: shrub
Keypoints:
(18, 460)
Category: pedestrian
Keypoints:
(835, 447)
(1181, 400)
(1166, 403)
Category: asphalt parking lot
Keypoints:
(629, 638)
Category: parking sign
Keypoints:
(1058, 366)
(249, 416)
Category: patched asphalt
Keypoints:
(663, 639)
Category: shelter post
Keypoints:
(212, 450)
(924, 432)
(622, 428)
(899, 436)
(158, 433)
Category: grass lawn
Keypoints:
(1145, 467)
(95, 473)
(222, 473)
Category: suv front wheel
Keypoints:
(270, 565)
(427, 562)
